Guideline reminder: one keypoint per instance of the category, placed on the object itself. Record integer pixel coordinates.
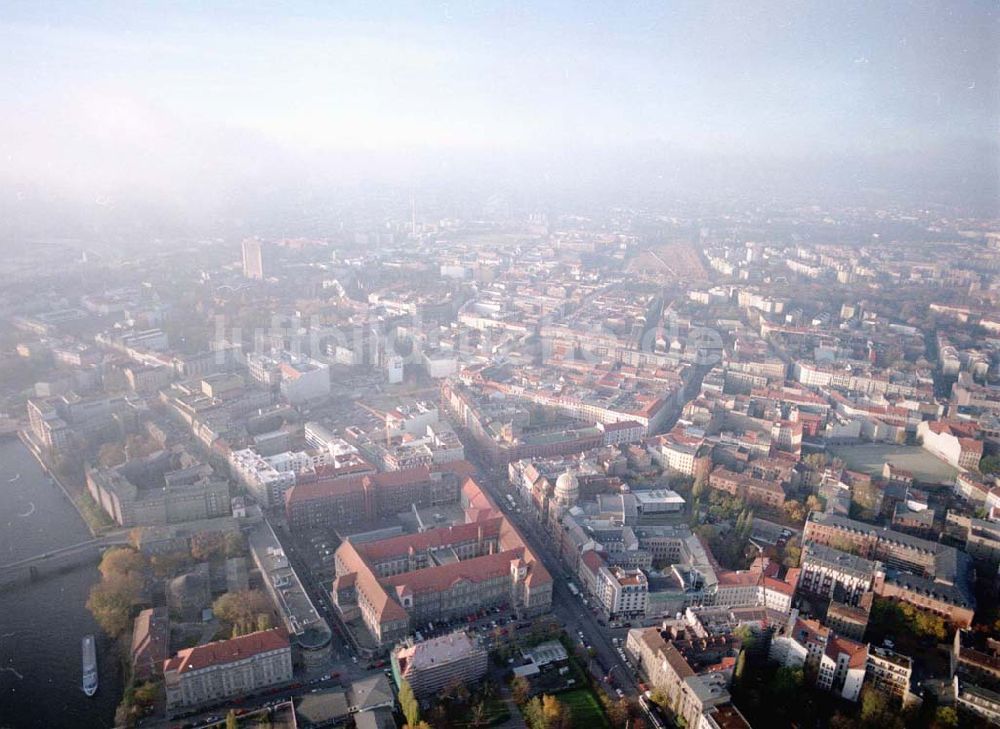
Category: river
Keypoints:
(41, 624)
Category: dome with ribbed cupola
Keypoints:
(567, 491)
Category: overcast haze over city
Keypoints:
(183, 106)
(524, 365)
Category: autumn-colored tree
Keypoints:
(794, 511)
(122, 561)
(242, 609)
(111, 601)
(555, 713)
(520, 689)
(137, 446)
(206, 546)
(659, 697)
(618, 713)
(122, 577)
(169, 564)
(110, 455)
(532, 712)
(146, 695)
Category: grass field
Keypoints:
(587, 711)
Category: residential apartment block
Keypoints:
(430, 666)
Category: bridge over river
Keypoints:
(35, 567)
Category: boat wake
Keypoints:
(13, 670)
(16, 476)
(30, 511)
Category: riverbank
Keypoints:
(96, 520)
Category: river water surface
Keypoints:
(41, 624)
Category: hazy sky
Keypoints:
(97, 99)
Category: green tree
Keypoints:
(695, 517)
(793, 553)
(234, 544)
(698, 488)
(741, 666)
(989, 464)
(659, 697)
(877, 711)
(408, 703)
(945, 716)
(787, 683)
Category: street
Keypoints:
(569, 609)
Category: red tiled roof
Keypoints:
(221, 652)
(380, 592)
(778, 586)
(593, 560)
(730, 578)
(459, 468)
(957, 429)
(622, 425)
(858, 652)
(792, 576)
(384, 607)
(440, 578)
(430, 539)
(326, 488)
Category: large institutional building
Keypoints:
(164, 488)
(226, 668)
(440, 573)
(339, 502)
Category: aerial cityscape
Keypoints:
(509, 366)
